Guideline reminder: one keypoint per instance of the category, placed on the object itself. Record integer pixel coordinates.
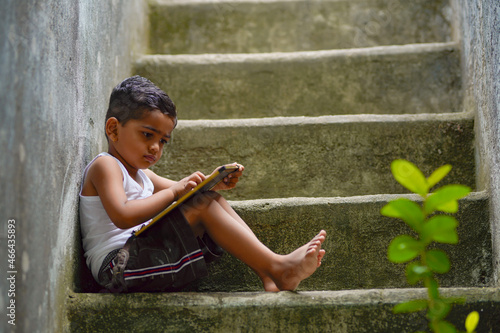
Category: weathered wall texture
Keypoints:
(59, 60)
(480, 21)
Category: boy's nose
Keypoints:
(155, 147)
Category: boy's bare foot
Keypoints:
(269, 284)
(299, 265)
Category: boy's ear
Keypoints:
(112, 128)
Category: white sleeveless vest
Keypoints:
(99, 234)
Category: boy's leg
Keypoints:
(208, 212)
(267, 282)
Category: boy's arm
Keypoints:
(107, 179)
(160, 183)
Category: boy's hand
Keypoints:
(230, 181)
(187, 184)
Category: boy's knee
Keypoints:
(212, 195)
(201, 201)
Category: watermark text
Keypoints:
(11, 271)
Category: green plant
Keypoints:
(430, 225)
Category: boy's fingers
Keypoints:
(197, 177)
(240, 167)
(200, 174)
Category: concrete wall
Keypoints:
(59, 60)
(480, 22)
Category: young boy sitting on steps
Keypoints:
(119, 194)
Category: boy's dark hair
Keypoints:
(136, 95)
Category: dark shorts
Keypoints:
(166, 257)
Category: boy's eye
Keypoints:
(163, 141)
(147, 135)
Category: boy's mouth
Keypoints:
(150, 158)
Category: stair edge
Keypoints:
(220, 58)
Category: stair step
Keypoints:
(358, 237)
(321, 311)
(322, 156)
(254, 26)
(418, 78)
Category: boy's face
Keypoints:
(140, 141)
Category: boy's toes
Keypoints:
(320, 256)
(312, 249)
(321, 236)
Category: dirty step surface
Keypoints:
(321, 311)
(356, 245)
(323, 156)
(251, 26)
(418, 78)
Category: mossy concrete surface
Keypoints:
(358, 237)
(323, 156)
(384, 80)
(480, 45)
(320, 311)
(193, 27)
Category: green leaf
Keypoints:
(438, 310)
(443, 327)
(441, 228)
(449, 207)
(416, 272)
(438, 175)
(407, 210)
(438, 261)
(444, 199)
(411, 306)
(471, 321)
(408, 175)
(403, 248)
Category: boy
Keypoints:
(119, 194)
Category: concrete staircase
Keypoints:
(315, 98)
